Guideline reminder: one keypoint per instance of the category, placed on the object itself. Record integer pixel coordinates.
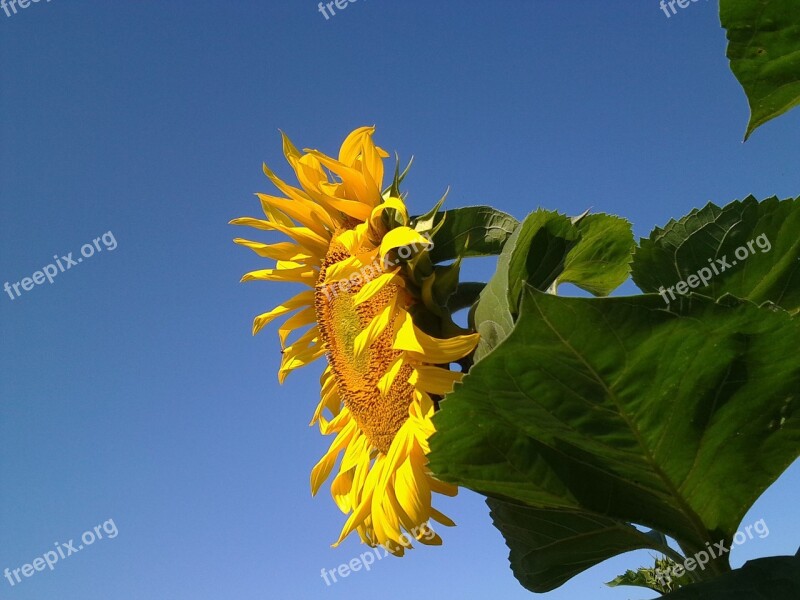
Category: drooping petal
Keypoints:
(303, 211)
(364, 191)
(375, 329)
(401, 237)
(304, 317)
(323, 468)
(386, 382)
(376, 285)
(279, 251)
(310, 241)
(352, 145)
(430, 349)
(302, 299)
(304, 351)
(395, 204)
(300, 274)
(434, 380)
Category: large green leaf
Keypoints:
(601, 261)
(549, 248)
(675, 420)
(764, 52)
(466, 295)
(748, 248)
(660, 577)
(773, 578)
(470, 231)
(549, 547)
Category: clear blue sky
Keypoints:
(131, 388)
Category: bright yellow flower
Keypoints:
(384, 374)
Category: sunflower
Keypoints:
(356, 249)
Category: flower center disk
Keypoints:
(379, 416)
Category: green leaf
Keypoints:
(640, 578)
(676, 421)
(749, 249)
(466, 295)
(773, 578)
(549, 248)
(492, 317)
(470, 231)
(764, 53)
(601, 261)
(549, 547)
(655, 578)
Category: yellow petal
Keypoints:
(374, 330)
(430, 349)
(305, 212)
(376, 285)
(323, 468)
(385, 382)
(302, 274)
(344, 269)
(289, 149)
(288, 190)
(363, 509)
(312, 177)
(336, 424)
(352, 144)
(398, 451)
(434, 380)
(301, 299)
(341, 488)
(355, 451)
(413, 493)
(315, 182)
(360, 478)
(353, 239)
(442, 518)
(364, 191)
(403, 236)
(313, 243)
(279, 251)
(302, 352)
(377, 212)
(304, 317)
(372, 162)
(329, 397)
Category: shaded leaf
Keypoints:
(615, 407)
(549, 547)
(764, 234)
(470, 231)
(601, 261)
(764, 53)
(654, 578)
(592, 252)
(466, 295)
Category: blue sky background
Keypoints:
(131, 387)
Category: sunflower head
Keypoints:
(374, 310)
